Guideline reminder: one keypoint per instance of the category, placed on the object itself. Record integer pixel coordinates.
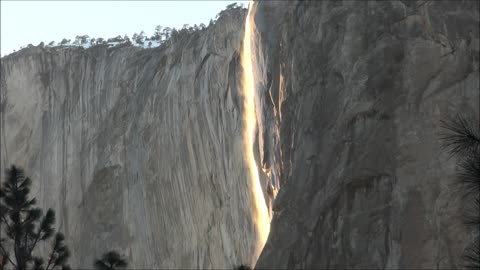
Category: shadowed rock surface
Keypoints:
(136, 150)
(141, 150)
(352, 93)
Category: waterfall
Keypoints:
(261, 215)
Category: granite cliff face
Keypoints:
(142, 150)
(352, 93)
(136, 150)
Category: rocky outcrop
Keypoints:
(352, 94)
(142, 151)
(136, 150)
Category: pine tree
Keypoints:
(243, 267)
(110, 261)
(463, 141)
(158, 32)
(25, 226)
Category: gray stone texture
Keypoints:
(142, 151)
(352, 94)
(136, 150)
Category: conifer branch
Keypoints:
(6, 255)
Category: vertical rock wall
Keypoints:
(136, 150)
(141, 150)
(352, 94)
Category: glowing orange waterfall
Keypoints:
(261, 216)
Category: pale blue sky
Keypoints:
(24, 22)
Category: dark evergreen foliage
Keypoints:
(462, 140)
(243, 267)
(24, 226)
(110, 261)
(471, 255)
(462, 136)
